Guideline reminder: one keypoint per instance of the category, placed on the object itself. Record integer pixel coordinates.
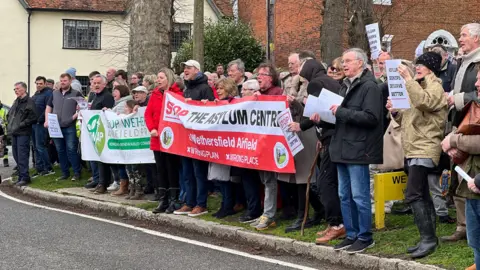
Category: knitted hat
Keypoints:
(431, 60)
(72, 71)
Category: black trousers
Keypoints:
(327, 184)
(417, 184)
(105, 174)
(168, 167)
(313, 199)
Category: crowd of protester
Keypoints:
(370, 136)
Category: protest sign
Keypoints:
(396, 85)
(293, 141)
(373, 34)
(53, 126)
(112, 138)
(322, 104)
(242, 133)
(82, 102)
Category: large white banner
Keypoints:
(112, 138)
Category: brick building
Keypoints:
(297, 23)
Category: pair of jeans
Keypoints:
(327, 187)
(354, 193)
(269, 180)
(195, 172)
(21, 154)
(95, 172)
(251, 185)
(167, 170)
(39, 137)
(67, 148)
(119, 172)
(472, 211)
(183, 185)
(226, 189)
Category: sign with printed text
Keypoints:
(112, 138)
(396, 85)
(242, 133)
(293, 141)
(54, 129)
(373, 35)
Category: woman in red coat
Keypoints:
(167, 164)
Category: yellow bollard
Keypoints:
(387, 187)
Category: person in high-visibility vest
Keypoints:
(3, 124)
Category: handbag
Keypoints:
(470, 124)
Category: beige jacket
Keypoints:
(294, 87)
(393, 157)
(423, 125)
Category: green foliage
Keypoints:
(225, 40)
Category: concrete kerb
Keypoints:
(322, 253)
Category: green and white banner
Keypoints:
(112, 138)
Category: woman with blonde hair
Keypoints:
(166, 182)
(149, 82)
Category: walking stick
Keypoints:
(312, 169)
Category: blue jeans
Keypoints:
(67, 148)
(226, 189)
(95, 172)
(472, 211)
(21, 154)
(119, 172)
(354, 193)
(183, 185)
(39, 137)
(195, 174)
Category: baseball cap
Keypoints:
(192, 63)
(140, 89)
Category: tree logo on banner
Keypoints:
(280, 155)
(166, 138)
(96, 131)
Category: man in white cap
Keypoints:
(194, 170)
(76, 85)
(140, 94)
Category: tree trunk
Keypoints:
(331, 33)
(360, 14)
(150, 35)
(198, 31)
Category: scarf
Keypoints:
(472, 57)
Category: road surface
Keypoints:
(36, 238)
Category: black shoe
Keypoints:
(22, 183)
(76, 178)
(5, 163)
(47, 172)
(247, 218)
(297, 225)
(360, 246)
(447, 219)
(62, 178)
(35, 175)
(413, 249)
(174, 202)
(315, 220)
(161, 195)
(425, 219)
(225, 213)
(346, 243)
(404, 211)
(91, 185)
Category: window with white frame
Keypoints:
(80, 34)
(181, 32)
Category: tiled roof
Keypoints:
(117, 6)
(225, 7)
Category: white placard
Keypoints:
(293, 141)
(322, 105)
(82, 103)
(396, 85)
(53, 126)
(373, 34)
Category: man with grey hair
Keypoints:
(447, 73)
(357, 143)
(62, 104)
(236, 71)
(463, 91)
(292, 85)
(21, 117)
